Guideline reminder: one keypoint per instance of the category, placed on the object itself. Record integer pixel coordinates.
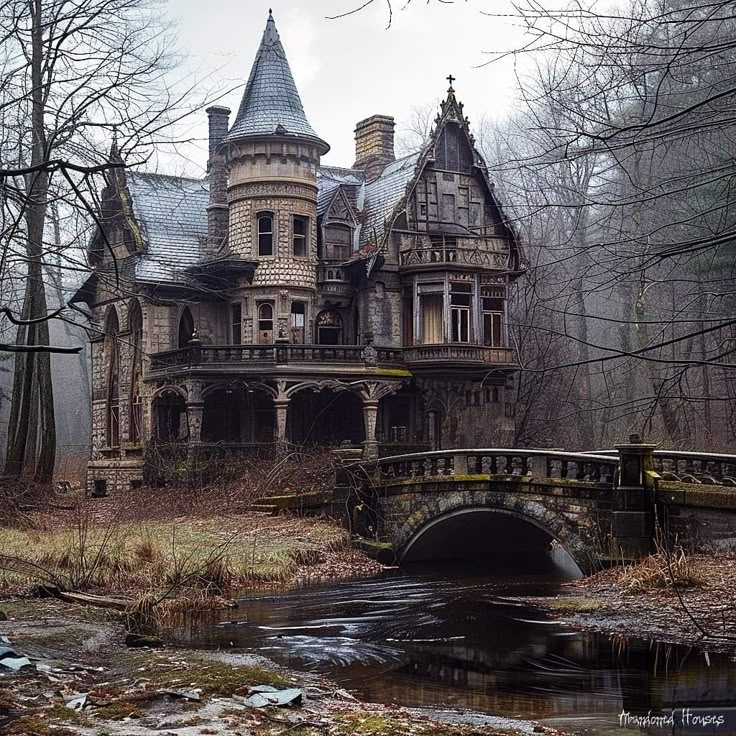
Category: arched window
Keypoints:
(135, 321)
(186, 328)
(265, 233)
(265, 323)
(329, 328)
(112, 364)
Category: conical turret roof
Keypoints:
(271, 104)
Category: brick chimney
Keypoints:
(374, 144)
(217, 212)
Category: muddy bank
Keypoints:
(693, 603)
(78, 650)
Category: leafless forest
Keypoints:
(617, 171)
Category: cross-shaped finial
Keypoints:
(450, 79)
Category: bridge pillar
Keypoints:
(632, 527)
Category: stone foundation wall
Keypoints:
(702, 529)
(118, 475)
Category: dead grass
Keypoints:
(217, 556)
(663, 570)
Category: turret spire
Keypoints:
(271, 104)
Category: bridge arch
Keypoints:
(437, 520)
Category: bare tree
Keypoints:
(74, 74)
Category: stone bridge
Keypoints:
(598, 508)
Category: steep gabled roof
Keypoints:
(384, 194)
(332, 178)
(171, 213)
(271, 104)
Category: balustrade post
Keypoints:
(460, 464)
(632, 518)
(282, 350)
(195, 349)
(540, 466)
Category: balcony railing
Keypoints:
(431, 256)
(370, 355)
(277, 354)
(459, 353)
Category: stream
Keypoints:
(434, 638)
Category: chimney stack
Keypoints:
(374, 144)
(217, 212)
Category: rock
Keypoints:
(46, 591)
(3, 616)
(141, 640)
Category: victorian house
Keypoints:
(282, 301)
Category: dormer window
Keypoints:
(265, 233)
(338, 243)
(300, 228)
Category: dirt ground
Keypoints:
(699, 608)
(141, 692)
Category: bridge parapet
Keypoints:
(573, 466)
(708, 468)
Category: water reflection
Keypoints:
(434, 639)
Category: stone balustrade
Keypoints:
(284, 353)
(276, 354)
(472, 462)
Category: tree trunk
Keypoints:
(34, 370)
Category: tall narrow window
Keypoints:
(300, 228)
(493, 322)
(460, 301)
(186, 328)
(236, 324)
(407, 321)
(112, 327)
(265, 234)
(460, 324)
(298, 322)
(135, 321)
(432, 327)
(265, 323)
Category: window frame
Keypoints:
(301, 238)
(262, 320)
(263, 215)
(293, 327)
(236, 323)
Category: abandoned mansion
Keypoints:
(282, 301)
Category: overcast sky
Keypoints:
(350, 68)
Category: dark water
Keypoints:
(434, 639)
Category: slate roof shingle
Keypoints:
(383, 193)
(271, 104)
(172, 214)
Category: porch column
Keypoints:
(370, 416)
(282, 409)
(195, 411)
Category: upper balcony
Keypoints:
(483, 254)
(270, 356)
(332, 280)
(260, 358)
(460, 354)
